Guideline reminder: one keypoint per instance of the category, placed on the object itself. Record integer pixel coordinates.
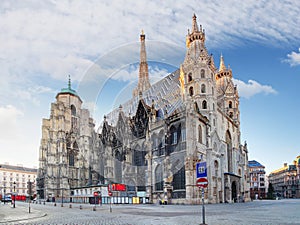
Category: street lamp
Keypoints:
(4, 192)
(14, 194)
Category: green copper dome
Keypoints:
(68, 90)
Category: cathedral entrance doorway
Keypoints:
(233, 191)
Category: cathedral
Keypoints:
(152, 142)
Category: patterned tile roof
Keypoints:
(166, 94)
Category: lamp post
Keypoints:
(14, 194)
(4, 192)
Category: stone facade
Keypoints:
(15, 179)
(286, 180)
(153, 141)
(67, 145)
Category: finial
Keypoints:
(69, 83)
(222, 64)
(195, 25)
(142, 32)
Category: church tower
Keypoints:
(228, 98)
(198, 71)
(65, 149)
(143, 82)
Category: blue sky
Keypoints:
(97, 43)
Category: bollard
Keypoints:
(44, 202)
(94, 208)
(70, 206)
(80, 207)
(55, 204)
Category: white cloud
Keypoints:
(293, 58)
(252, 88)
(9, 116)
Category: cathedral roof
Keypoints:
(166, 96)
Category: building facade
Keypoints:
(153, 141)
(286, 180)
(257, 176)
(66, 149)
(15, 180)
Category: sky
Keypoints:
(97, 44)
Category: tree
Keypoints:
(270, 194)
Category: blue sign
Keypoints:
(201, 170)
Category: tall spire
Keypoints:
(143, 83)
(143, 58)
(195, 25)
(222, 67)
(196, 34)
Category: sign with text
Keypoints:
(201, 170)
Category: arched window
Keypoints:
(73, 119)
(73, 110)
(230, 105)
(203, 89)
(161, 143)
(179, 179)
(231, 115)
(191, 91)
(71, 158)
(190, 77)
(204, 105)
(202, 73)
(173, 135)
(214, 106)
(200, 134)
(159, 178)
(139, 157)
(216, 164)
(212, 91)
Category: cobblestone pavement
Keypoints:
(283, 212)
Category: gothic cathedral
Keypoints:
(153, 141)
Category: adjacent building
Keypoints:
(257, 175)
(17, 180)
(153, 141)
(286, 180)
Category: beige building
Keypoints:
(14, 179)
(286, 180)
(153, 141)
